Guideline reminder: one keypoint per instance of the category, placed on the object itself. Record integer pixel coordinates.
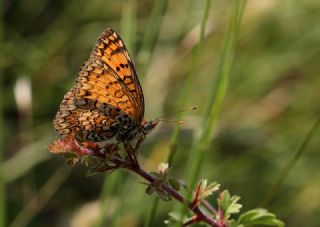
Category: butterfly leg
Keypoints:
(138, 144)
(131, 153)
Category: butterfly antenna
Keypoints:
(167, 119)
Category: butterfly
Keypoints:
(106, 104)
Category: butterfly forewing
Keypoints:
(99, 84)
(111, 49)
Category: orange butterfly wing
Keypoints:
(92, 125)
(107, 94)
(97, 86)
(111, 49)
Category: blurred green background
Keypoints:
(271, 102)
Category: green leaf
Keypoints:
(175, 217)
(229, 204)
(233, 223)
(259, 217)
(225, 200)
(207, 189)
(234, 207)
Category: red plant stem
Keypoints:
(208, 206)
(201, 216)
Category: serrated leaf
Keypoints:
(225, 200)
(259, 217)
(229, 204)
(175, 217)
(234, 207)
(206, 189)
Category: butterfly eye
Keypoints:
(149, 126)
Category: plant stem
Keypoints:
(2, 135)
(40, 200)
(134, 167)
(129, 25)
(290, 164)
(151, 34)
(208, 206)
(184, 94)
(210, 117)
(202, 141)
(152, 212)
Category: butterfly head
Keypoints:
(149, 125)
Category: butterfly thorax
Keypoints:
(136, 131)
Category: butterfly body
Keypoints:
(106, 104)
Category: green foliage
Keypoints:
(207, 189)
(259, 217)
(174, 217)
(227, 211)
(229, 204)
